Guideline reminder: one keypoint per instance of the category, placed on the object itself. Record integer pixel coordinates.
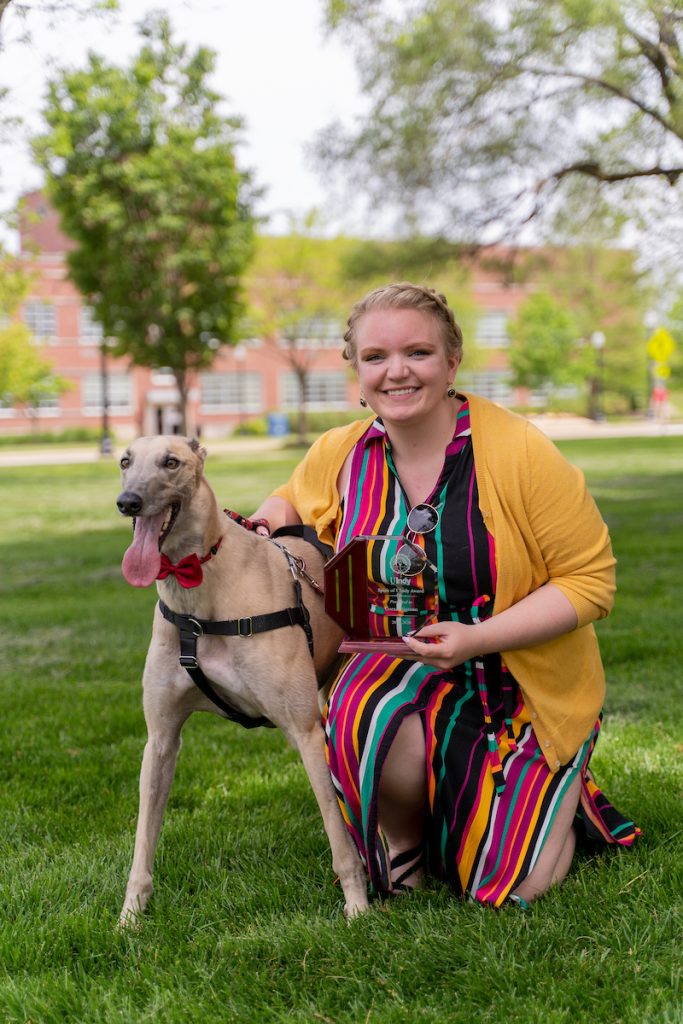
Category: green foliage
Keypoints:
(607, 292)
(141, 166)
(544, 352)
(70, 435)
(675, 324)
(245, 923)
(481, 113)
(296, 288)
(25, 378)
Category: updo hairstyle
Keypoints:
(405, 296)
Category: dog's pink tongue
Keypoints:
(142, 560)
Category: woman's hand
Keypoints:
(443, 644)
(541, 616)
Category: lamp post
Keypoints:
(240, 354)
(598, 343)
(106, 446)
(651, 319)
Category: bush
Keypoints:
(252, 428)
(70, 435)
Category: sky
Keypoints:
(276, 67)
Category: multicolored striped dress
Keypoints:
(491, 796)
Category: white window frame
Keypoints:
(492, 329)
(319, 384)
(89, 330)
(40, 318)
(236, 391)
(119, 393)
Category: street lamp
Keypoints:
(651, 319)
(106, 445)
(598, 343)
(240, 354)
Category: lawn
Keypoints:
(245, 923)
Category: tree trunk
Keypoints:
(302, 418)
(181, 382)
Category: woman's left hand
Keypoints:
(443, 644)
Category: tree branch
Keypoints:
(608, 87)
(594, 170)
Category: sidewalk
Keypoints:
(559, 428)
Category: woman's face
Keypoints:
(403, 368)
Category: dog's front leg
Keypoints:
(345, 859)
(156, 776)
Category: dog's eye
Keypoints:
(125, 462)
(170, 462)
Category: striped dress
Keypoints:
(491, 796)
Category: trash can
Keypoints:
(278, 424)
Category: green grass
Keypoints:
(245, 923)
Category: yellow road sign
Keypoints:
(661, 345)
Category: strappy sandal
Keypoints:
(413, 860)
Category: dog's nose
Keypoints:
(129, 503)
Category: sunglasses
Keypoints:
(410, 559)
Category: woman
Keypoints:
(469, 756)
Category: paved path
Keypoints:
(560, 428)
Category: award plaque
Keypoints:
(375, 615)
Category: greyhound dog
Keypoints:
(235, 575)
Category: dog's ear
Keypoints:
(197, 448)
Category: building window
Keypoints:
(492, 384)
(6, 410)
(492, 330)
(90, 331)
(231, 392)
(118, 389)
(315, 332)
(48, 406)
(41, 319)
(324, 390)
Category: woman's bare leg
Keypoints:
(555, 858)
(403, 795)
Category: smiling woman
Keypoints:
(468, 756)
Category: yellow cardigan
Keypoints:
(547, 528)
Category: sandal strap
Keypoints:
(406, 856)
(414, 859)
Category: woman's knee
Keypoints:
(404, 773)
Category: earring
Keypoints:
(363, 402)
(451, 392)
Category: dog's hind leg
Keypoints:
(345, 860)
(156, 776)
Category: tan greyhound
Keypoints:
(231, 573)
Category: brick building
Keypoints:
(249, 380)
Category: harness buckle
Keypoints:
(245, 627)
(188, 661)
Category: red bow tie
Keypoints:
(188, 571)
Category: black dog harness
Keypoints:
(191, 628)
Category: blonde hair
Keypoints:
(405, 295)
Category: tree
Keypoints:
(605, 295)
(297, 295)
(25, 378)
(141, 167)
(51, 9)
(544, 351)
(485, 115)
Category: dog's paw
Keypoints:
(130, 919)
